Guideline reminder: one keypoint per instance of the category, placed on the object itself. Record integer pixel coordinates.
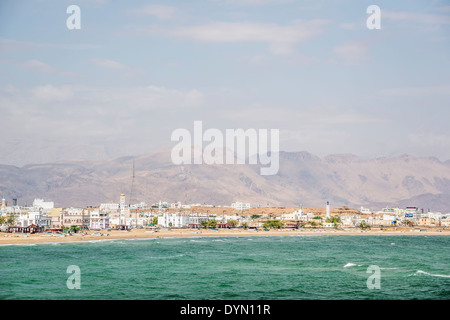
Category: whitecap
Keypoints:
(431, 274)
(349, 265)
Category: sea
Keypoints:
(297, 267)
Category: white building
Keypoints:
(28, 218)
(412, 212)
(175, 205)
(197, 218)
(175, 220)
(365, 210)
(350, 221)
(389, 217)
(98, 220)
(240, 205)
(41, 204)
(296, 215)
(109, 207)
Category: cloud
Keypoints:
(8, 44)
(51, 93)
(94, 115)
(415, 18)
(158, 11)
(110, 64)
(87, 101)
(351, 26)
(429, 143)
(39, 66)
(280, 38)
(257, 2)
(351, 53)
(417, 91)
(42, 67)
(444, 9)
(114, 65)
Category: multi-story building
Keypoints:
(195, 219)
(28, 217)
(40, 204)
(109, 207)
(426, 222)
(75, 216)
(445, 221)
(175, 205)
(98, 220)
(296, 215)
(240, 205)
(412, 212)
(54, 218)
(175, 220)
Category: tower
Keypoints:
(3, 209)
(132, 185)
(328, 210)
(122, 209)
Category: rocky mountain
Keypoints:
(303, 179)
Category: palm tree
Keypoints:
(74, 228)
(363, 225)
(204, 223)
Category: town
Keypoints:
(42, 216)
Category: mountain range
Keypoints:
(303, 179)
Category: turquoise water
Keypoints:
(231, 268)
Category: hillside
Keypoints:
(303, 179)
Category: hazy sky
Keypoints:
(138, 70)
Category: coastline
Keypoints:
(42, 238)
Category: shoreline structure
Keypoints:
(142, 234)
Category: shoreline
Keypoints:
(143, 234)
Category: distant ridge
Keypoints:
(303, 179)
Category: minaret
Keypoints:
(122, 209)
(3, 209)
(328, 210)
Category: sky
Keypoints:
(138, 70)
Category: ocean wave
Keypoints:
(352, 265)
(431, 274)
(168, 257)
(21, 244)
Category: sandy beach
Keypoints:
(17, 238)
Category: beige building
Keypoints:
(445, 222)
(429, 222)
(54, 218)
(75, 216)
